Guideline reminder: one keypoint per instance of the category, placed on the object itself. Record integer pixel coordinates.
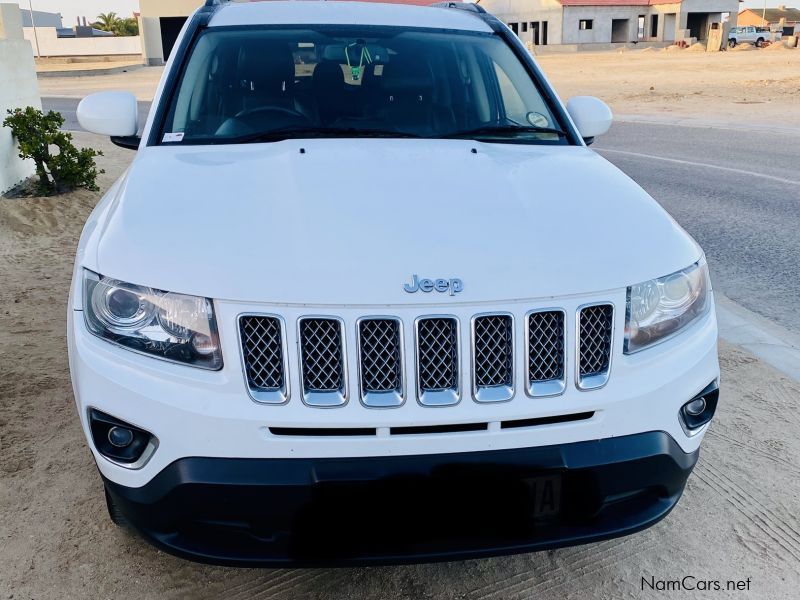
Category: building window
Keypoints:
(585, 24)
(525, 27)
(514, 27)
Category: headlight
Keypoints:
(169, 326)
(660, 308)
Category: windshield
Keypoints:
(265, 84)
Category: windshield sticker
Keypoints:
(173, 137)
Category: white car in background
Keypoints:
(752, 35)
(365, 296)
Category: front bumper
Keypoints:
(378, 510)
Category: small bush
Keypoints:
(37, 134)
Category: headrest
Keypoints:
(327, 75)
(406, 76)
(267, 66)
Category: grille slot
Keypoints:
(546, 364)
(322, 362)
(264, 358)
(493, 358)
(437, 361)
(595, 330)
(380, 350)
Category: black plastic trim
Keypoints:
(546, 420)
(399, 509)
(433, 429)
(323, 431)
(129, 142)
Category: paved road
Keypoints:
(736, 192)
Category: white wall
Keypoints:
(51, 45)
(18, 89)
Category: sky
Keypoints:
(71, 9)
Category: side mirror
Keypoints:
(111, 113)
(591, 115)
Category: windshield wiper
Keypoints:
(502, 131)
(285, 133)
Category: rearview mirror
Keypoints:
(591, 115)
(111, 113)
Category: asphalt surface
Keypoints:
(736, 192)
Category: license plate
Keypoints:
(545, 493)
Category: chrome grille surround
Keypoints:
(594, 343)
(262, 339)
(381, 361)
(323, 361)
(437, 339)
(492, 357)
(546, 355)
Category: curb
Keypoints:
(764, 339)
(89, 72)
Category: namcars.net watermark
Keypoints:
(691, 583)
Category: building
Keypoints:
(160, 23)
(41, 19)
(584, 22)
(782, 19)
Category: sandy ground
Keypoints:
(756, 88)
(738, 518)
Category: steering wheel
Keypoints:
(263, 115)
(262, 118)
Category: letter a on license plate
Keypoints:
(545, 494)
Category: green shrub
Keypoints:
(37, 135)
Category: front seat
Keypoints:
(266, 82)
(330, 92)
(407, 91)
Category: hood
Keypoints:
(331, 222)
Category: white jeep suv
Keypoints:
(365, 296)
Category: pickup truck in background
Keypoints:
(751, 34)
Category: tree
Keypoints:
(107, 22)
(37, 133)
(112, 23)
(127, 27)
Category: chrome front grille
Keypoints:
(380, 348)
(435, 348)
(493, 358)
(595, 329)
(264, 358)
(322, 361)
(438, 361)
(546, 357)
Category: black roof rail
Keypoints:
(214, 4)
(476, 8)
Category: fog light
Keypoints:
(120, 437)
(696, 407)
(699, 410)
(122, 443)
